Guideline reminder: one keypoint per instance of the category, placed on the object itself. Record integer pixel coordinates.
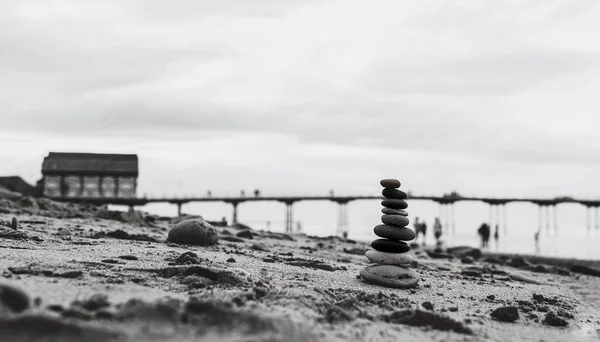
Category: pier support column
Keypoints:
(504, 224)
(498, 222)
(588, 220)
(597, 223)
(453, 219)
(555, 219)
(448, 214)
(342, 220)
(289, 217)
(540, 218)
(234, 218)
(179, 209)
(548, 224)
(491, 217)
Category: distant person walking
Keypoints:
(437, 230)
(417, 226)
(484, 234)
(420, 228)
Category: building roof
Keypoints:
(18, 184)
(90, 164)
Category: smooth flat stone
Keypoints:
(390, 183)
(394, 233)
(390, 211)
(394, 203)
(393, 193)
(193, 232)
(390, 276)
(400, 259)
(390, 246)
(395, 220)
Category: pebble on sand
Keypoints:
(390, 183)
(390, 246)
(394, 233)
(390, 211)
(506, 314)
(395, 220)
(394, 203)
(393, 193)
(390, 276)
(193, 232)
(15, 299)
(399, 259)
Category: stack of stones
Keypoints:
(390, 253)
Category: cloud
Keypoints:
(442, 78)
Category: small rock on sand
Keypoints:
(427, 305)
(13, 299)
(246, 234)
(259, 247)
(461, 251)
(506, 314)
(554, 320)
(193, 232)
(519, 262)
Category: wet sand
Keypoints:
(96, 275)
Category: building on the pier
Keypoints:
(89, 175)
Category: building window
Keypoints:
(90, 186)
(126, 187)
(109, 186)
(52, 186)
(73, 186)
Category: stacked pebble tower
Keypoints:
(391, 253)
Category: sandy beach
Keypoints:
(95, 275)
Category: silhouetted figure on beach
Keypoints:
(268, 225)
(417, 226)
(242, 193)
(437, 230)
(420, 228)
(209, 193)
(256, 193)
(484, 234)
(536, 237)
(496, 235)
(331, 192)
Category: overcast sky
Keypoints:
(300, 96)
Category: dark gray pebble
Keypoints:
(393, 193)
(395, 220)
(390, 183)
(390, 211)
(394, 204)
(394, 233)
(390, 246)
(13, 298)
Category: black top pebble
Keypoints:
(390, 183)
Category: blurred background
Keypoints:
(304, 97)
